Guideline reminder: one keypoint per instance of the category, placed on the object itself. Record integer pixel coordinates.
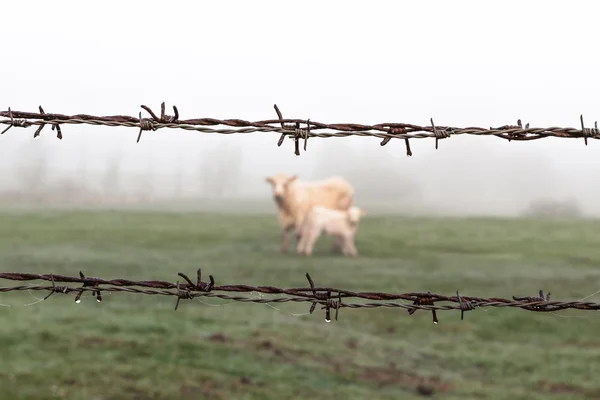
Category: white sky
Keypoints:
(464, 63)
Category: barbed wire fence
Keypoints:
(330, 299)
(296, 129)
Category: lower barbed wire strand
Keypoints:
(537, 306)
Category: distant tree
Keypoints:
(32, 168)
(373, 172)
(382, 184)
(178, 179)
(144, 184)
(112, 177)
(220, 170)
(334, 158)
(554, 209)
(82, 167)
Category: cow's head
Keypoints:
(279, 185)
(354, 215)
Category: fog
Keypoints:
(332, 62)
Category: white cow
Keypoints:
(340, 224)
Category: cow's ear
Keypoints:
(362, 212)
(269, 179)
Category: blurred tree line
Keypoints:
(375, 174)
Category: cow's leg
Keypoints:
(311, 238)
(285, 238)
(302, 240)
(300, 247)
(351, 247)
(300, 228)
(337, 244)
(344, 246)
(300, 223)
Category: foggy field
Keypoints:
(160, 127)
(134, 346)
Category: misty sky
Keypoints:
(464, 63)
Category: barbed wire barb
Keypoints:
(199, 285)
(583, 130)
(55, 289)
(18, 123)
(464, 305)
(89, 283)
(39, 129)
(182, 294)
(424, 300)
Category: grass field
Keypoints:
(138, 347)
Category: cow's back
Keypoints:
(334, 193)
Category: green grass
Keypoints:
(134, 346)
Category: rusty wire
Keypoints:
(330, 299)
(295, 129)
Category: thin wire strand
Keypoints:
(591, 295)
(577, 316)
(258, 295)
(38, 300)
(281, 311)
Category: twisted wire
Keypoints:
(295, 129)
(328, 297)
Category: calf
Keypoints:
(340, 224)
